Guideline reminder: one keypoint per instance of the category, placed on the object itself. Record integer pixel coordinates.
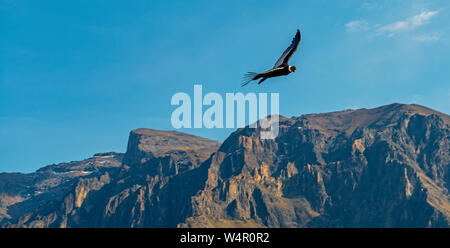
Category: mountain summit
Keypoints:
(381, 167)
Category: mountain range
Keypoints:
(380, 167)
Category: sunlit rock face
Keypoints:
(382, 167)
(149, 185)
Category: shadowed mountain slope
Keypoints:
(381, 167)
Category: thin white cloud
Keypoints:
(408, 24)
(358, 25)
(369, 6)
(427, 37)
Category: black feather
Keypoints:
(248, 77)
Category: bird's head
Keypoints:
(292, 68)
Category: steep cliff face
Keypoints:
(46, 197)
(161, 172)
(184, 150)
(139, 188)
(382, 167)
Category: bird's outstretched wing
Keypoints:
(287, 54)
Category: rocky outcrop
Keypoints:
(160, 169)
(184, 150)
(382, 167)
(48, 196)
(119, 190)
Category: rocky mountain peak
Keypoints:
(349, 120)
(380, 167)
(384, 163)
(145, 144)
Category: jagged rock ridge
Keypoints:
(382, 167)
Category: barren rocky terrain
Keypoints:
(381, 167)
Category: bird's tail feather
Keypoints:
(262, 80)
(248, 77)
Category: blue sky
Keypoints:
(77, 76)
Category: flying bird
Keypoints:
(281, 68)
